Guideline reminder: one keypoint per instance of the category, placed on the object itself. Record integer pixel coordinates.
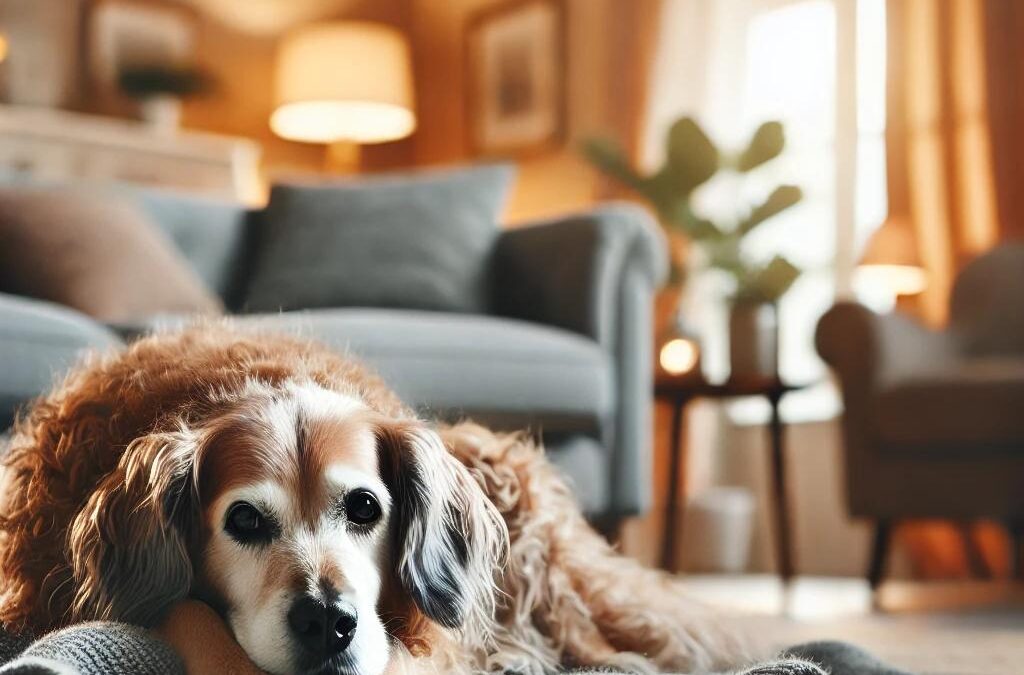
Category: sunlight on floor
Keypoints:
(947, 627)
(808, 598)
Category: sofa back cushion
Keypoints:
(212, 234)
(417, 241)
(94, 252)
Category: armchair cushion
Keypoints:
(986, 311)
(417, 242)
(971, 406)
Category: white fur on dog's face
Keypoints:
(295, 458)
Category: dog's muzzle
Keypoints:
(324, 627)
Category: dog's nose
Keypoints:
(323, 628)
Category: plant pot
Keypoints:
(161, 113)
(753, 341)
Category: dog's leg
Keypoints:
(570, 597)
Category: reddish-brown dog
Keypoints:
(332, 530)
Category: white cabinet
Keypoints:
(47, 144)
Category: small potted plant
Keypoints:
(160, 90)
(691, 160)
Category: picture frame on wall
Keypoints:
(516, 68)
(131, 33)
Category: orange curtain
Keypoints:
(632, 42)
(939, 136)
(1004, 50)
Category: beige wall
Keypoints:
(554, 182)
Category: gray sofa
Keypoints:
(564, 349)
(933, 424)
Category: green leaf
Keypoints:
(663, 194)
(765, 145)
(609, 158)
(681, 217)
(691, 157)
(770, 282)
(778, 201)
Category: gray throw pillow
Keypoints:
(417, 241)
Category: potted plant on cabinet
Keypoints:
(691, 160)
(160, 90)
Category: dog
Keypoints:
(334, 531)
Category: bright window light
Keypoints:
(790, 75)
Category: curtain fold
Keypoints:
(1004, 51)
(634, 40)
(939, 138)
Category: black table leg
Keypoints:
(783, 538)
(672, 520)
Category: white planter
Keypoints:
(718, 531)
(753, 341)
(162, 113)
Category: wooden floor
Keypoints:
(940, 628)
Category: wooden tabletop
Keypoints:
(693, 387)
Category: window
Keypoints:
(785, 55)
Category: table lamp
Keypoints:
(343, 83)
(891, 265)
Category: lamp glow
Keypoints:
(4, 47)
(891, 261)
(897, 279)
(678, 356)
(343, 81)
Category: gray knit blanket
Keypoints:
(119, 649)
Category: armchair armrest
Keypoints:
(595, 274)
(867, 349)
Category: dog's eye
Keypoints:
(246, 524)
(361, 507)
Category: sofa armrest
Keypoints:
(595, 274)
(568, 272)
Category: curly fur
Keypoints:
(101, 488)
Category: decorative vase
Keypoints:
(753, 340)
(161, 113)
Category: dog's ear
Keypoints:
(129, 546)
(449, 538)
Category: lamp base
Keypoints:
(342, 158)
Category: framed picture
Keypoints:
(124, 33)
(515, 55)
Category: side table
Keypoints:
(679, 391)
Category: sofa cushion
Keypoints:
(420, 241)
(975, 405)
(505, 373)
(212, 234)
(38, 340)
(93, 252)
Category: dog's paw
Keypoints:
(785, 667)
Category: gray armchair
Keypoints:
(564, 349)
(934, 420)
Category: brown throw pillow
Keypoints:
(96, 253)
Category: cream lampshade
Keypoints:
(343, 81)
(891, 259)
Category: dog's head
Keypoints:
(325, 533)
